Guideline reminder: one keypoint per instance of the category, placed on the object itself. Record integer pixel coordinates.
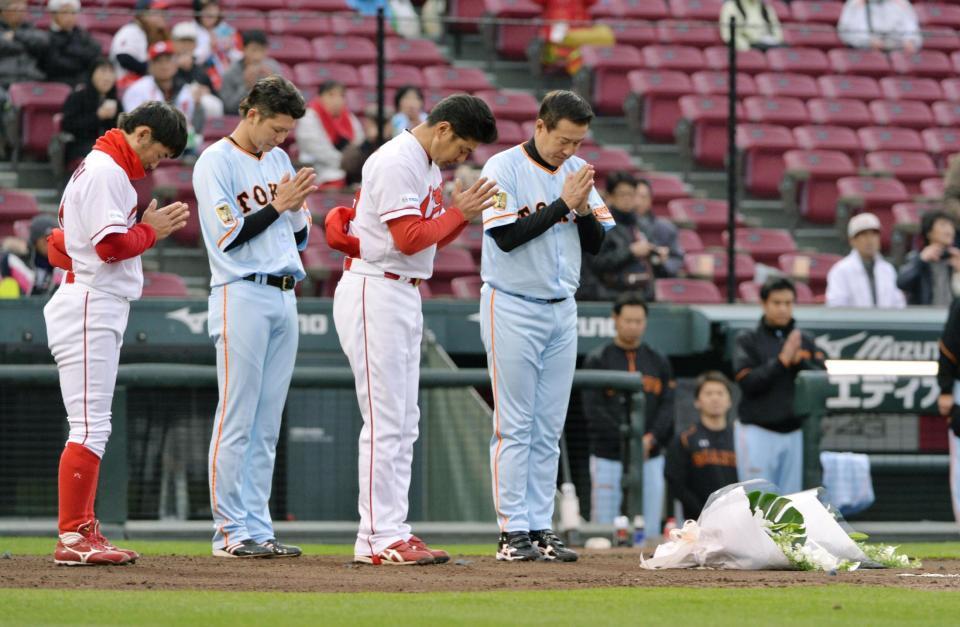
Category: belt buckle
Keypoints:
(288, 282)
(416, 282)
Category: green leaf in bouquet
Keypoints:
(857, 536)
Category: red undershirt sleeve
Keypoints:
(119, 246)
(411, 234)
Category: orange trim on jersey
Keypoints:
(946, 352)
(227, 234)
(252, 155)
(223, 415)
(743, 373)
(495, 218)
(523, 149)
(496, 416)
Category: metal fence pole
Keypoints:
(732, 162)
(381, 76)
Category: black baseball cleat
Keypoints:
(281, 550)
(516, 547)
(551, 547)
(246, 549)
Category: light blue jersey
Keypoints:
(230, 183)
(547, 267)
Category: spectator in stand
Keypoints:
(757, 24)
(72, 49)
(354, 156)
(35, 276)
(769, 442)
(218, 43)
(254, 65)
(129, 49)
(606, 411)
(325, 131)
(159, 84)
(880, 24)
(864, 278)
(190, 74)
(639, 249)
(409, 109)
(23, 47)
(931, 276)
(91, 110)
(569, 27)
(702, 459)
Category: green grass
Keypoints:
(830, 605)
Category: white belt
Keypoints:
(359, 266)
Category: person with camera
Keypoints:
(931, 276)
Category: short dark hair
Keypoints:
(929, 218)
(469, 116)
(402, 91)
(712, 376)
(628, 299)
(775, 284)
(254, 36)
(274, 95)
(166, 123)
(564, 105)
(330, 85)
(620, 177)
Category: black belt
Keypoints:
(283, 283)
(533, 299)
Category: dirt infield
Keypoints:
(337, 574)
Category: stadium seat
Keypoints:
(714, 82)
(708, 10)
(781, 84)
(290, 49)
(519, 106)
(175, 184)
(705, 217)
(946, 113)
(359, 99)
(395, 76)
(464, 15)
(808, 268)
(245, 20)
(510, 132)
(472, 239)
(456, 78)
(652, 106)
(875, 195)
(606, 160)
(923, 89)
(631, 9)
(853, 61)
(258, 5)
(923, 63)
(689, 241)
(748, 61)
(763, 245)
(839, 112)
(688, 33)
(311, 75)
(762, 147)
(749, 292)
(810, 61)
(107, 21)
(821, 12)
(844, 86)
(822, 137)
(772, 110)
(681, 58)
(941, 143)
(874, 138)
(805, 35)
(604, 75)
(164, 285)
(323, 264)
(341, 49)
(104, 39)
(706, 119)
(637, 34)
(15, 205)
(932, 188)
(217, 128)
(712, 266)
(938, 14)
(357, 25)
(940, 38)
(466, 287)
(810, 178)
(907, 113)
(510, 40)
(686, 291)
(451, 262)
(32, 106)
(951, 89)
(298, 23)
(483, 152)
(955, 59)
(416, 52)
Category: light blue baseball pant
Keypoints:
(255, 330)
(531, 356)
(606, 477)
(765, 454)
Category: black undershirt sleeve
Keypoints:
(130, 63)
(527, 228)
(300, 235)
(253, 225)
(591, 233)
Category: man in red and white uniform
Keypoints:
(399, 223)
(100, 243)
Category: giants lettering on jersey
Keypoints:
(259, 196)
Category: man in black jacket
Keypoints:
(948, 377)
(931, 276)
(22, 45)
(72, 49)
(767, 360)
(606, 410)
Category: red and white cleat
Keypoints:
(439, 557)
(399, 553)
(84, 548)
(133, 555)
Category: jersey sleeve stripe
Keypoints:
(227, 234)
(407, 209)
(109, 226)
(500, 217)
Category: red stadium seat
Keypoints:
(395, 76)
(359, 99)
(807, 35)
(821, 137)
(822, 12)
(15, 205)
(764, 245)
(844, 86)
(681, 58)
(330, 6)
(687, 33)
(631, 9)
(686, 291)
(749, 292)
(875, 195)
(257, 5)
(907, 113)
(465, 15)
(665, 187)
(511, 39)
(34, 105)
(246, 20)
(637, 34)
(217, 128)
(839, 112)
(932, 188)
(718, 83)
(809, 268)
(813, 175)
(809, 61)
(946, 113)
(607, 67)
(456, 78)
(940, 38)
(941, 143)
(762, 147)
(780, 84)
(290, 49)
(908, 167)
(466, 287)
(653, 104)
(955, 59)
(689, 241)
(923, 63)
(299, 23)
(874, 138)
(783, 111)
(357, 25)
(449, 263)
(348, 50)
(310, 75)
(175, 183)
(483, 152)
(707, 119)
(712, 265)
(938, 14)
(606, 160)
(696, 9)
(748, 61)
(705, 217)
(107, 21)
(104, 39)
(509, 132)
(951, 88)
(324, 263)
(519, 106)
(859, 62)
(923, 89)
(416, 52)
(472, 240)
(164, 285)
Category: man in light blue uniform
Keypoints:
(546, 213)
(253, 219)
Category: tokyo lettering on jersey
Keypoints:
(230, 183)
(99, 200)
(399, 180)
(547, 267)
